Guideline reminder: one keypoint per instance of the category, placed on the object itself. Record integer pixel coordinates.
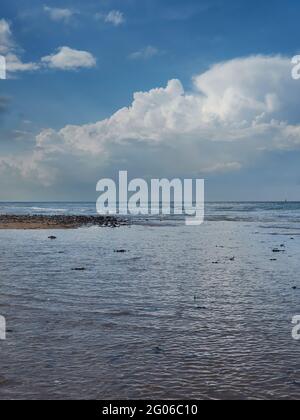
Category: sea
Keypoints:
(187, 312)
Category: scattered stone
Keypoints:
(78, 269)
(276, 250)
(215, 262)
(120, 251)
(232, 259)
(158, 350)
(282, 246)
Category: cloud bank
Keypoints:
(236, 112)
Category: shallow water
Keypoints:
(160, 321)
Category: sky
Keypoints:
(161, 88)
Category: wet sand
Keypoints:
(34, 222)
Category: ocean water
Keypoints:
(214, 211)
(173, 317)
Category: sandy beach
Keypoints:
(33, 222)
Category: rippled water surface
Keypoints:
(174, 317)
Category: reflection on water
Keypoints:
(159, 321)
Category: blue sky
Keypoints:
(136, 46)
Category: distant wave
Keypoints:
(47, 209)
(288, 212)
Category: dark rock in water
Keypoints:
(201, 308)
(158, 350)
(120, 251)
(78, 269)
(273, 259)
(232, 259)
(292, 239)
(52, 238)
(215, 262)
(282, 246)
(294, 287)
(276, 250)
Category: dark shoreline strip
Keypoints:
(58, 221)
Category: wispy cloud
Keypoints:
(114, 17)
(6, 38)
(11, 51)
(14, 64)
(59, 14)
(145, 53)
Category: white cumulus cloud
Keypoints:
(236, 111)
(66, 58)
(231, 101)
